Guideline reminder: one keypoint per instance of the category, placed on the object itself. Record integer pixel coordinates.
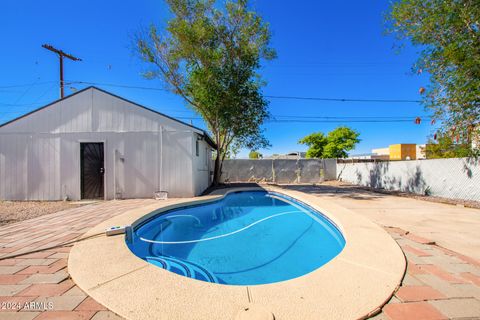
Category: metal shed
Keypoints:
(94, 144)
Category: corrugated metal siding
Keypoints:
(177, 163)
(201, 166)
(40, 153)
(13, 166)
(43, 161)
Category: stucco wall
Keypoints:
(449, 178)
(279, 170)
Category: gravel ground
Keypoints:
(14, 211)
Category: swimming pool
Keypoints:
(245, 238)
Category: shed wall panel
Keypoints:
(42, 163)
(40, 153)
(201, 166)
(177, 163)
(14, 167)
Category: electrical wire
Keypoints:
(323, 121)
(266, 96)
(26, 85)
(274, 119)
(117, 85)
(343, 99)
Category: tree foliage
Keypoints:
(334, 145)
(444, 147)
(316, 143)
(209, 54)
(255, 155)
(448, 33)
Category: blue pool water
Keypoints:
(247, 238)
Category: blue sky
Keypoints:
(331, 49)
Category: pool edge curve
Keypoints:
(359, 280)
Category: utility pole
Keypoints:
(61, 54)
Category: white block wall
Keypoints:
(449, 178)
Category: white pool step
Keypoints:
(185, 268)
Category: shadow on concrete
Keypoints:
(344, 191)
(230, 186)
(379, 179)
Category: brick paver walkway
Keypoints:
(439, 283)
(37, 285)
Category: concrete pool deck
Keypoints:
(439, 283)
(450, 226)
(440, 241)
(353, 285)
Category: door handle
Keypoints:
(102, 170)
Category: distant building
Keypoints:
(361, 156)
(421, 151)
(381, 153)
(291, 155)
(403, 151)
(376, 154)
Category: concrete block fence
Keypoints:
(279, 170)
(449, 178)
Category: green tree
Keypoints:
(339, 141)
(255, 155)
(448, 33)
(316, 143)
(334, 145)
(444, 147)
(210, 54)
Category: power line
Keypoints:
(23, 105)
(25, 85)
(118, 85)
(347, 117)
(338, 120)
(266, 96)
(25, 92)
(275, 118)
(343, 99)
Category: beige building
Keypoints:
(292, 155)
(381, 153)
(421, 151)
(401, 151)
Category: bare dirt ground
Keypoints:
(14, 211)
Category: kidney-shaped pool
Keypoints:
(245, 238)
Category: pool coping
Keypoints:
(353, 285)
